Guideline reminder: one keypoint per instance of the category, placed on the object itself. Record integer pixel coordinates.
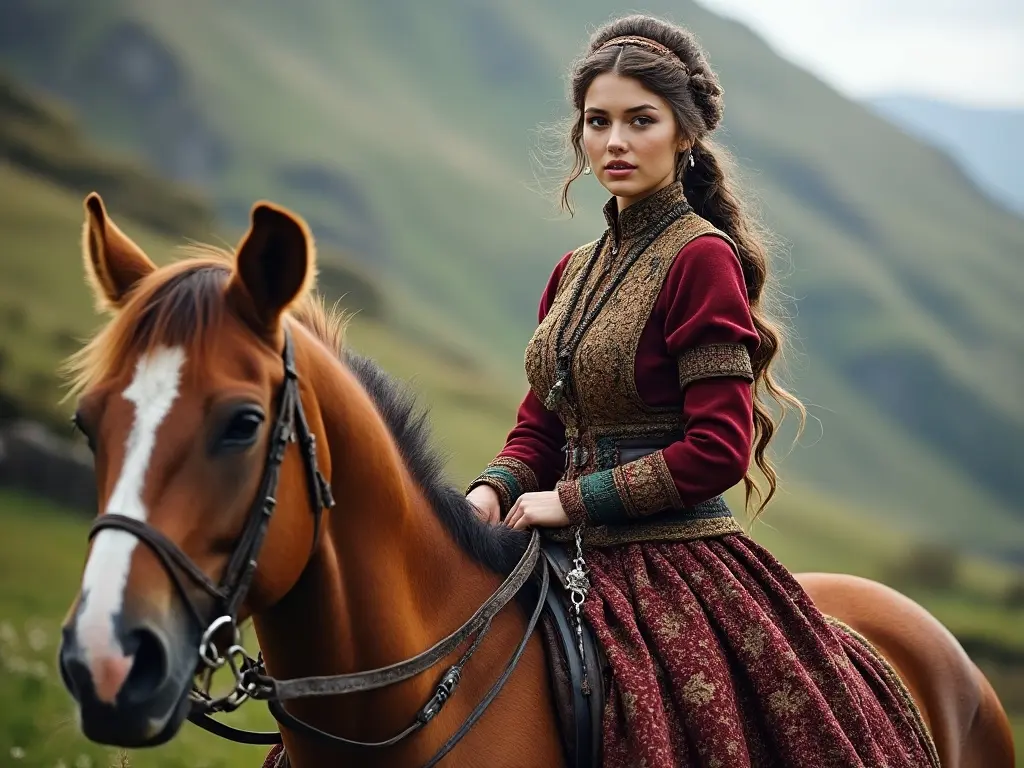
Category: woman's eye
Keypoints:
(241, 429)
(643, 121)
(596, 122)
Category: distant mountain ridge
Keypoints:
(404, 133)
(987, 143)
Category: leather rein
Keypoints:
(250, 678)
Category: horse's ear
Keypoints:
(113, 263)
(274, 267)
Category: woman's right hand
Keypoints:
(487, 504)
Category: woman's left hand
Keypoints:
(542, 509)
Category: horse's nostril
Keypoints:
(149, 668)
(75, 674)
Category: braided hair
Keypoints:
(668, 60)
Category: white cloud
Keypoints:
(969, 52)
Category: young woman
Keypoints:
(646, 372)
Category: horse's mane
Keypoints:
(178, 306)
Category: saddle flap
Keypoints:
(579, 714)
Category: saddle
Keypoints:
(579, 713)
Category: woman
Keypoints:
(645, 373)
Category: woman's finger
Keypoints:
(513, 513)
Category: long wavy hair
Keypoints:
(687, 82)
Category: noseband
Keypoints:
(249, 674)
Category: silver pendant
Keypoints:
(555, 395)
(578, 584)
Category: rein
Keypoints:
(251, 681)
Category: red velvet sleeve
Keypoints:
(709, 332)
(532, 458)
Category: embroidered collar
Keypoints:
(642, 214)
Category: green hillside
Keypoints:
(404, 132)
(45, 310)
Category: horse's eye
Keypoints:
(241, 429)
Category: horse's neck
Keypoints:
(386, 582)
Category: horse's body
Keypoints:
(957, 702)
(400, 561)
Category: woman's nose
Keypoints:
(616, 139)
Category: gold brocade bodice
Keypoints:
(601, 402)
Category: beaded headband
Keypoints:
(642, 42)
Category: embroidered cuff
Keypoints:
(592, 499)
(572, 501)
(714, 360)
(646, 486)
(510, 478)
(615, 496)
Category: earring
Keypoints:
(586, 169)
(691, 159)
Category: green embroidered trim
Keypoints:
(601, 498)
(510, 478)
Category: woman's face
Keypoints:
(630, 137)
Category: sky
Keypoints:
(968, 52)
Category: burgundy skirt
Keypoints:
(719, 658)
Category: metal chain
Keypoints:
(578, 584)
(244, 669)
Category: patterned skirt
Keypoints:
(719, 658)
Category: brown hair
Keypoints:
(684, 78)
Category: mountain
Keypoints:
(987, 143)
(406, 131)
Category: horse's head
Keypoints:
(179, 396)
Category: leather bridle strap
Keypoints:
(175, 561)
(445, 689)
(283, 690)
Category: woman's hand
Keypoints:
(487, 504)
(541, 509)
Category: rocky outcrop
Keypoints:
(34, 460)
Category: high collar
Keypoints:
(643, 214)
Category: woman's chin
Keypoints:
(628, 187)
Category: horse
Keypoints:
(250, 467)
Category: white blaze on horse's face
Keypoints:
(152, 391)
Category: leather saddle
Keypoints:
(579, 713)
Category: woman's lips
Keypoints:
(619, 170)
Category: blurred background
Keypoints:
(883, 143)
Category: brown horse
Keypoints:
(181, 397)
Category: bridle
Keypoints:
(250, 678)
